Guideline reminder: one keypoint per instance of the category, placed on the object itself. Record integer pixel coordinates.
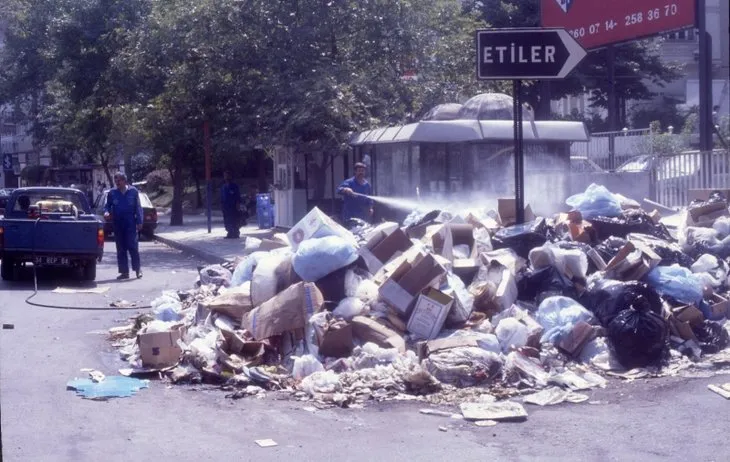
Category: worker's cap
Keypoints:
(360, 165)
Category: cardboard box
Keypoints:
(632, 262)
(708, 209)
(707, 220)
(369, 330)
(408, 280)
(160, 349)
(689, 314)
(316, 224)
(434, 346)
(234, 303)
(655, 216)
(269, 244)
(573, 343)
(287, 311)
(336, 341)
(507, 209)
(597, 259)
(429, 314)
(681, 329)
(383, 247)
(719, 307)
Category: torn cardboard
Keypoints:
(632, 262)
(369, 330)
(384, 247)
(572, 343)
(336, 340)
(507, 209)
(408, 280)
(234, 303)
(287, 311)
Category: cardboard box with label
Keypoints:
(382, 247)
(408, 280)
(429, 314)
(369, 330)
(160, 349)
(507, 209)
(287, 311)
(316, 224)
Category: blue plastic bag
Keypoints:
(676, 282)
(596, 201)
(244, 270)
(316, 258)
(558, 316)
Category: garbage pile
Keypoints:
(452, 300)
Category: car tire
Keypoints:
(7, 269)
(90, 271)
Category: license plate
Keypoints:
(52, 261)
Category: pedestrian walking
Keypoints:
(231, 206)
(123, 204)
(356, 203)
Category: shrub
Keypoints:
(156, 179)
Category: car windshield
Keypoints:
(48, 202)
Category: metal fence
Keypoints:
(673, 176)
(626, 144)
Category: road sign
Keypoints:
(599, 23)
(528, 54)
(7, 161)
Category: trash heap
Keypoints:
(453, 300)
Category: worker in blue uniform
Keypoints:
(355, 192)
(123, 204)
(231, 206)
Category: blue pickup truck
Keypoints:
(50, 227)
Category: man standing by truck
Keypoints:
(231, 206)
(356, 203)
(122, 203)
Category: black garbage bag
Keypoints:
(522, 238)
(533, 286)
(610, 247)
(669, 251)
(630, 221)
(638, 336)
(712, 337)
(607, 298)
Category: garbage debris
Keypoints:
(448, 300)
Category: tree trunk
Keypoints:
(105, 164)
(263, 182)
(198, 191)
(178, 190)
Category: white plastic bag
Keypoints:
(244, 270)
(167, 307)
(483, 240)
(570, 262)
(511, 333)
(705, 264)
(722, 226)
(306, 365)
(350, 307)
(215, 274)
(558, 316)
(367, 291)
(352, 283)
(321, 382)
(265, 279)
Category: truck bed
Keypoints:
(51, 237)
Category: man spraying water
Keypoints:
(356, 190)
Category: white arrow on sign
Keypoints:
(576, 53)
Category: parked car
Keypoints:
(4, 196)
(50, 227)
(149, 223)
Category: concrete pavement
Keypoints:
(193, 237)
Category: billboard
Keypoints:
(597, 23)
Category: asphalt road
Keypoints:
(661, 419)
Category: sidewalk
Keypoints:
(194, 239)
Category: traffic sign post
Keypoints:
(524, 54)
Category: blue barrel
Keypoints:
(264, 211)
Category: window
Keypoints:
(49, 202)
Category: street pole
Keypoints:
(208, 173)
(519, 154)
(612, 107)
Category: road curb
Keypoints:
(202, 254)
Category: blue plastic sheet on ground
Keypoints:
(596, 201)
(115, 386)
(676, 282)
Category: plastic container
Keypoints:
(264, 211)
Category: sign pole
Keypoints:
(208, 173)
(519, 153)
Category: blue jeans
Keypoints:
(127, 242)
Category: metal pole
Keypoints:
(612, 107)
(519, 154)
(208, 174)
(705, 77)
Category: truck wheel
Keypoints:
(90, 271)
(7, 268)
